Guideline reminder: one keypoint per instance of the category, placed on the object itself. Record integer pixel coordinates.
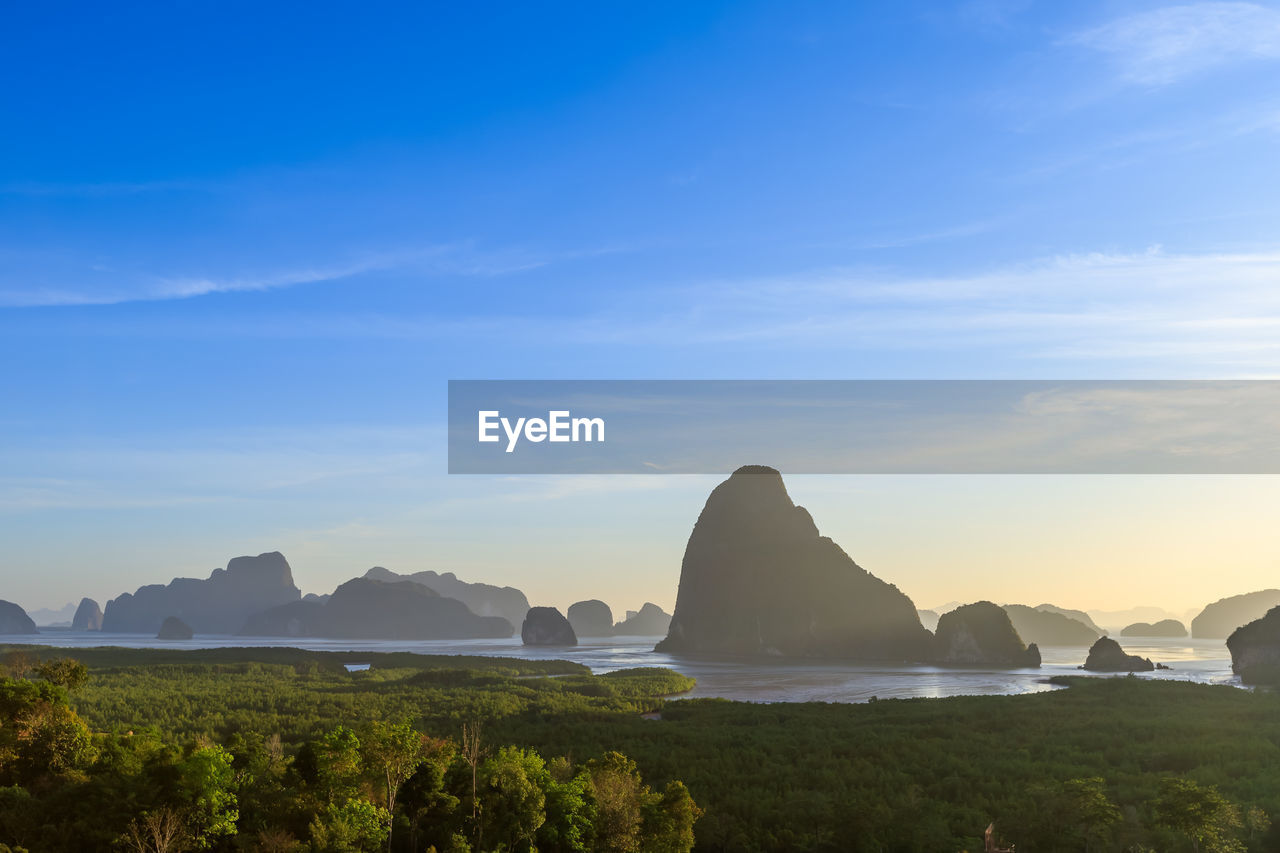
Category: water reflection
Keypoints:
(752, 680)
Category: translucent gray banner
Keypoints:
(864, 426)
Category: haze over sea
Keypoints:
(742, 679)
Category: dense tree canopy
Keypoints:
(277, 749)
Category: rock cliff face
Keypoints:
(759, 579)
(591, 618)
(1163, 628)
(88, 616)
(14, 620)
(981, 634)
(483, 599)
(649, 621)
(546, 626)
(173, 628)
(1107, 656)
(1218, 620)
(1255, 650)
(218, 605)
(1047, 628)
(367, 609)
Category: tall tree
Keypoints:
(208, 781)
(338, 764)
(1201, 813)
(394, 752)
(513, 783)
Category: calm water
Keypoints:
(750, 680)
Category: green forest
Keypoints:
(286, 750)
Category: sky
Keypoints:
(244, 248)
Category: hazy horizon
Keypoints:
(1021, 543)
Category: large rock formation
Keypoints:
(483, 599)
(1255, 650)
(218, 605)
(1107, 656)
(649, 621)
(173, 628)
(928, 618)
(88, 616)
(545, 626)
(1220, 619)
(1163, 628)
(1048, 628)
(1078, 615)
(591, 618)
(14, 620)
(368, 609)
(981, 634)
(758, 578)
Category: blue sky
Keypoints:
(243, 249)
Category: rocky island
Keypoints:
(592, 618)
(481, 598)
(88, 616)
(1220, 619)
(649, 621)
(546, 626)
(14, 620)
(1107, 656)
(759, 579)
(1163, 628)
(174, 628)
(1049, 628)
(216, 605)
(368, 609)
(981, 634)
(1255, 650)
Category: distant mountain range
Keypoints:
(219, 604)
(757, 578)
(53, 618)
(364, 608)
(483, 599)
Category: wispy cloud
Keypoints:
(107, 287)
(1193, 314)
(1165, 45)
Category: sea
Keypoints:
(741, 679)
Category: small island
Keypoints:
(174, 628)
(546, 626)
(1163, 628)
(1106, 656)
(982, 634)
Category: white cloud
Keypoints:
(1192, 314)
(106, 287)
(1166, 45)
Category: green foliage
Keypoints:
(338, 765)
(1201, 814)
(513, 799)
(355, 826)
(669, 820)
(571, 811)
(65, 672)
(207, 780)
(39, 734)
(280, 747)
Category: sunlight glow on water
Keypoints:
(1205, 661)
